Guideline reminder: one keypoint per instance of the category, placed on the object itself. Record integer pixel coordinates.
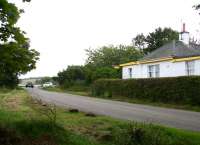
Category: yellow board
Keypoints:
(158, 60)
(186, 59)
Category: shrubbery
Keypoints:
(180, 90)
(71, 76)
(83, 76)
(99, 65)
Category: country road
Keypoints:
(142, 113)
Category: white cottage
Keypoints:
(178, 58)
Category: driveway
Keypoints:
(143, 113)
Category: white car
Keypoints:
(48, 84)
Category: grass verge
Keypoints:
(25, 121)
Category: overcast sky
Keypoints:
(61, 30)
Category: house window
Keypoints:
(189, 68)
(130, 72)
(153, 71)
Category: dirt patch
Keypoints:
(13, 103)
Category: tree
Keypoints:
(70, 76)
(160, 37)
(15, 55)
(93, 73)
(101, 61)
(156, 39)
(105, 73)
(108, 56)
(139, 41)
(197, 7)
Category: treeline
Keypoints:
(99, 64)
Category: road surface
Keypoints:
(143, 113)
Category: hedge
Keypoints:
(181, 90)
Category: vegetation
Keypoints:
(180, 90)
(108, 56)
(23, 121)
(16, 57)
(155, 39)
(100, 64)
(197, 7)
(71, 76)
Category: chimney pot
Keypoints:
(184, 36)
(183, 27)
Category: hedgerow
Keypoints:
(181, 90)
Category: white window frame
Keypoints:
(190, 68)
(153, 71)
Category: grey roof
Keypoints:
(176, 49)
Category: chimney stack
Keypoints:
(184, 35)
(183, 27)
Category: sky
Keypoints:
(61, 30)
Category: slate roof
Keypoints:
(175, 49)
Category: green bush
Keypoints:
(180, 90)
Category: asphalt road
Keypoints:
(169, 117)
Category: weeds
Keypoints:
(140, 134)
(48, 110)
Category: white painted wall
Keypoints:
(167, 69)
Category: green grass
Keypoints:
(25, 124)
(87, 92)
(25, 121)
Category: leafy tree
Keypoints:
(15, 55)
(84, 75)
(197, 7)
(108, 56)
(160, 37)
(139, 41)
(88, 72)
(93, 73)
(105, 72)
(100, 61)
(71, 75)
(156, 39)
